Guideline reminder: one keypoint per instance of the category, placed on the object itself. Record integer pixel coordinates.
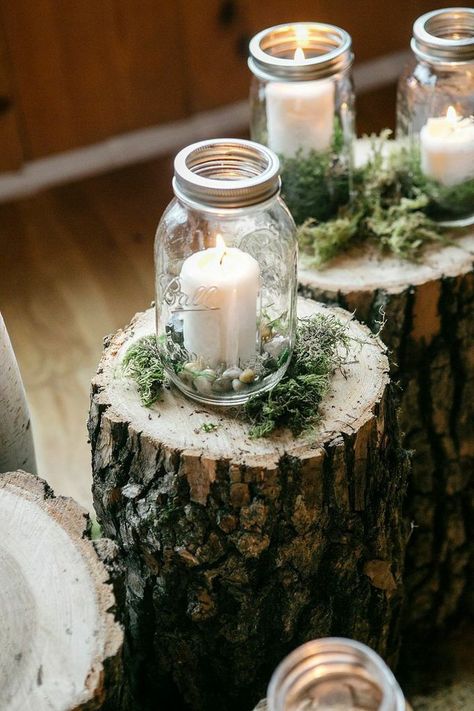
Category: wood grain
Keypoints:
(11, 150)
(84, 71)
(60, 644)
(76, 261)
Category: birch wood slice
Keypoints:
(60, 646)
(429, 330)
(238, 549)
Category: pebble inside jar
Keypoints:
(225, 256)
(302, 108)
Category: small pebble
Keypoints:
(222, 385)
(192, 367)
(238, 385)
(276, 346)
(203, 385)
(209, 374)
(186, 377)
(232, 373)
(248, 376)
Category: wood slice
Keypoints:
(429, 330)
(61, 646)
(16, 441)
(238, 549)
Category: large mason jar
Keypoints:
(334, 673)
(435, 108)
(302, 107)
(225, 259)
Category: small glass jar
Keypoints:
(435, 108)
(302, 107)
(334, 674)
(225, 260)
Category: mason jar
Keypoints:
(435, 108)
(302, 107)
(334, 673)
(225, 260)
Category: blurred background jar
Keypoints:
(302, 107)
(435, 107)
(225, 261)
(334, 674)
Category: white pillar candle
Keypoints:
(447, 148)
(300, 114)
(221, 286)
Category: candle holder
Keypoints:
(334, 673)
(302, 107)
(435, 108)
(225, 257)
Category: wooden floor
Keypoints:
(76, 264)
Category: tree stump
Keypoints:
(236, 549)
(61, 647)
(429, 330)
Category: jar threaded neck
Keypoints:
(227, 173)
(445, 36)
(327, 51)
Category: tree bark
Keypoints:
(16, 441)
(429, 330)
(236, 550)
(61, 646)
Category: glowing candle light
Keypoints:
(447, 148)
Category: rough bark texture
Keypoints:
(429, 330)
(237, 550)
(61, 646)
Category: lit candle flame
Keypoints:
(301, 36)
(220, 247)
(299, 55)
(451, 115)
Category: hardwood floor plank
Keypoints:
(77, 261)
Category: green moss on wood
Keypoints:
(321, 344)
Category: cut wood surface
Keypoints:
(60, 645)
(238, 549)
(429, 311)
(16, 440)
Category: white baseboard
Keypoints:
(145, 144)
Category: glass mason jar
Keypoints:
(225, 260)
(302, 107)
(435, 108)
(334, 674)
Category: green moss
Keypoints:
(142, 363)
(391, 207)
(294, 402)
(316, 184)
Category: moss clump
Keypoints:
(143, 364)
(316, 184)
(321, 342)
(294, 401)
(391, 207)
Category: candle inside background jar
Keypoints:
(447, 148)
(300, 114)
(221, 285)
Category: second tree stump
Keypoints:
(236, 549)
(428, 307)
